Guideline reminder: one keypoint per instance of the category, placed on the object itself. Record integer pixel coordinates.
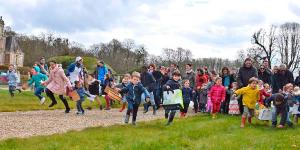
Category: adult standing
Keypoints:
(157, 74)
(264, 74)
(245, 72)
(100, 72)
(43, 66)
(148, 82)
(75, 71)
(56, 84)
(227, 80)
(173, 68)
(190, 75)
(297, 81)
(200, 98)
(281, 78)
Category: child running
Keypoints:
(81, 92)
(217, 95)
(250, 97)
(37, 78)
(13, 80)
(125, 82)
(172, 85)
(94, 90)
(134, 91)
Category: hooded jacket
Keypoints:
(13, 78)
(37, 79)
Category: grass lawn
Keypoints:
(26, 101)
(199, 132)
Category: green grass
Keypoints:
(199, 132)
(26, 101)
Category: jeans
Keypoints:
(157, 97)
(151, 98)
(11, 90)
(79, 105)
(285, 118)
(38, 92)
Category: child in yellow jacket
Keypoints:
(250, 97)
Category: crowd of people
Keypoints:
(227, 92)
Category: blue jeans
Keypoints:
(151, 98)
(274, 117)
(79, 105)
(38, 92)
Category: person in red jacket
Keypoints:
(201, 81)
(217, 94)
(264, 92)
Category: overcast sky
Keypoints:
(209, 28)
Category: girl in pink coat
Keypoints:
(217, 95)
(57, 84)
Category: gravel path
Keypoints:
(47, 122)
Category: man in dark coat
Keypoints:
(283, 77)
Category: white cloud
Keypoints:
(210, 28)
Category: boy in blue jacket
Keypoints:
(171, 85)
(281, 108)
(13, 80)
(37, 78)
(134, 91)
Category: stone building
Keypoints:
(10, 51)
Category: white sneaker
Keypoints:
(43, 100)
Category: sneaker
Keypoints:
(101, 107)
(52, 104)
(280, 126)
(89, 108)
(42, 100)
(79, 113)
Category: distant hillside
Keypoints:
(89, 62)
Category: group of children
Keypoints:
(131, 90)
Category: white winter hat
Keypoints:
(78, 59)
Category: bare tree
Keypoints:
(264, 45)
(289, 45)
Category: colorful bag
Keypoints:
(74, 95)
(265, 114)
(234, 108)
(113, 94)
(173, 99)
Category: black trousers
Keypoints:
(170, 114)
(134, 111)
(225, 105)
(240, 101)
(185, 107)
(63, 99)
